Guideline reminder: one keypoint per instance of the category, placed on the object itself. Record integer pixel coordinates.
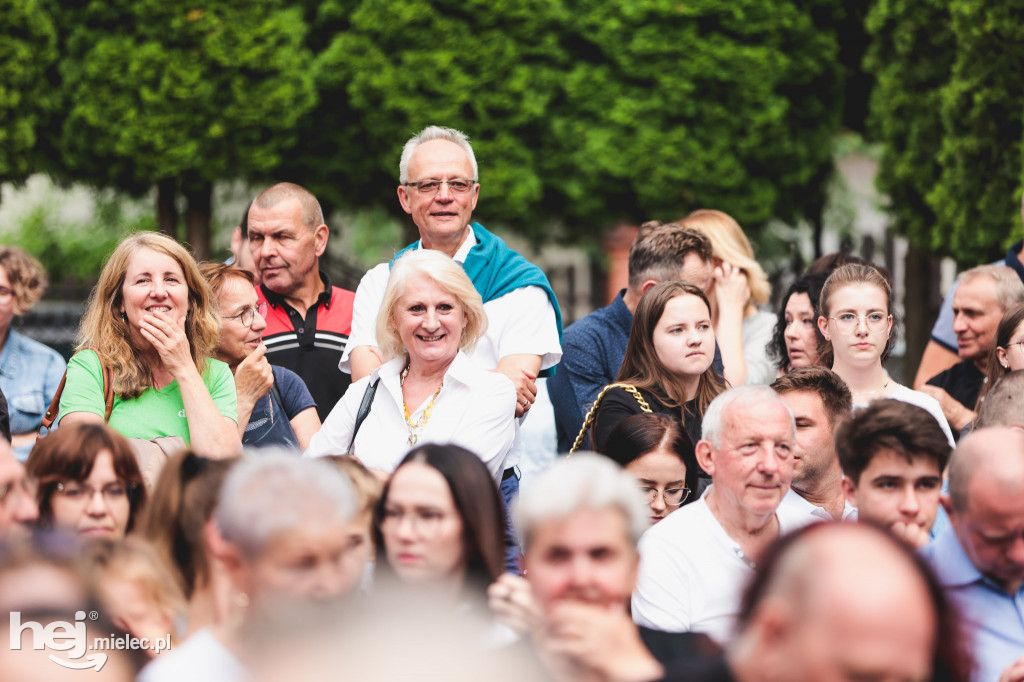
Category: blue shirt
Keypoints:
(29, 376)
(271, 425)
(994, 618)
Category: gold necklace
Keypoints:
(877, 390)
(415, 426)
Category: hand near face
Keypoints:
(1014, 673)
(912, 534)
(576, 635)
(511, 600)
(167, 336)
(254, 375)
(731, 287)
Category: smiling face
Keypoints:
(801, 333)
(861, 343)
(442, 218)
(96, 507)
(237, 341)
(429, 320)
(976, 318)
(892, 490)
(585, 557)
(752, 469)
(421, 528)
(153, 282)
(286, 251)
(659, 470)
(684, 339)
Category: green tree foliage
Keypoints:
(582, 111)
(948, 109)
(27, 48)
(178, 95)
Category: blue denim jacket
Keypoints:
(29, 375)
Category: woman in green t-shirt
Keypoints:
(151, 319)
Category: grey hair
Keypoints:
(435, 133)
(711, 426)
(583, 481)
(277, 491)
(1009, 289)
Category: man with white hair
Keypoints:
(580, 522)
(695, 562)
(281, 529)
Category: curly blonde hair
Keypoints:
(730, 245)
(104, 328)
(27, 277)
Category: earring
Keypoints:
(124, 317)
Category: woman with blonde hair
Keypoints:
(152, 322)
(29, 371)
(738, 288)
(428, 390)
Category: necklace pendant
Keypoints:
(413, 439)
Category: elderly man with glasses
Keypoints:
(439, 188)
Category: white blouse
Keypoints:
(475, 409)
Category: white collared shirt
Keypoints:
(800, 512)
(474, 409)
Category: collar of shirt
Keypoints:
(461, 370)
(462, 253)
(276, 299)
(952, 566)
(798, 502)
(10, 356)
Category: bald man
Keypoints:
(18, 511)
(979, 559)
(832, 602)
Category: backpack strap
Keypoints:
(108, 393)
(589, 420)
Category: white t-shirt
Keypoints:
(797, 511)
(474, 409)
(520, 322)
(692, 574)
(201, 658)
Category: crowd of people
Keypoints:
(247, 473)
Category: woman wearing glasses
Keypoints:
(659, 455)
(29, 371)
(88, 481)
(274, 405)
(151, 321)
(1008, 352)
(856, 321)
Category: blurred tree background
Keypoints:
(584, 113)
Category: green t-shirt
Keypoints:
(156, 412)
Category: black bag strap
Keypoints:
(364, 410)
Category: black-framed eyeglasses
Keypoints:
(247, 316)
(6, 295)
(432, 187)
(673, 496)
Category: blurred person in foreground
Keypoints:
(178, 525)
(280, 526)
(89, 482)
(29, 371)
(1004, 404)
(18, 508)
(274, 405)
(893, 455)
(979, 559)
(580, 523)
(839, 602)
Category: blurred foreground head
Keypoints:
(845, 602)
